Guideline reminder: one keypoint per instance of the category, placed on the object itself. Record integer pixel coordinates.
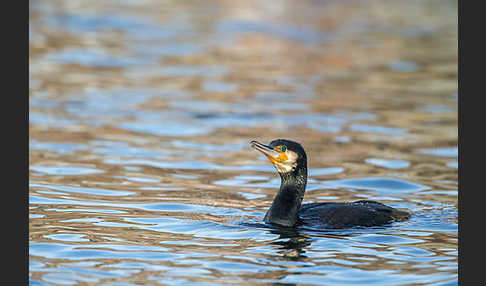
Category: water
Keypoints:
(140, 116)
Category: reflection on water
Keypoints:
(140, 114)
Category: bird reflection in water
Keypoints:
(291, 243)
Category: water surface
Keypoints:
(140, 114)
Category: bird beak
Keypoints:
(271, 154)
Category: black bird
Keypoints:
(290, 160)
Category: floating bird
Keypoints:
(287, 210)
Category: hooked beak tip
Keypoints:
(266, 150)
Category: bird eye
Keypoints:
(283, 148)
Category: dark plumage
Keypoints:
(290, 160)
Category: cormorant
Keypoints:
(290, 160)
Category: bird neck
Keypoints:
(285, 207)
